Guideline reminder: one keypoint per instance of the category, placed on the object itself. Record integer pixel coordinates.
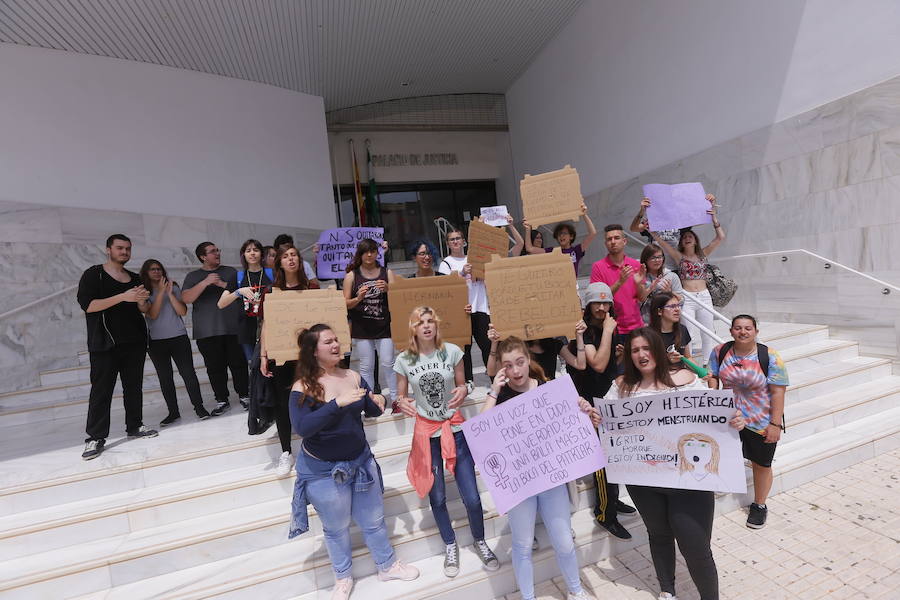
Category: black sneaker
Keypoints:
(202, 413)
(756, 517)
(169, 420)
(614, 527)
(624, 509)
(245, 402)
(221, 408)
(92, 449)
(143, 432)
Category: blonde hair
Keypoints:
(415, 319)
(686, 465)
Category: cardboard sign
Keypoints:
(676, 206)
(677, 439)
(533, 296)
(551, 197)
(446, 294)
(533, 442)
(484, 242)
(337, 247)
(288, 312)
(495, 216)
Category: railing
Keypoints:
(827, 264)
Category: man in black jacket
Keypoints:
(114, 301)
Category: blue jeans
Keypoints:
(554, 507)
(336, 503)
(465, 481)
(365, 352)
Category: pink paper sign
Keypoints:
(533, 442)
(676, 206)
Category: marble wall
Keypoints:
(44, 249)
(827, 180)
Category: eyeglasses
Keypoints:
(660, 257)
(213, 251)
(674, 306)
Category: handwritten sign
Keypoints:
(337, 247)
(484, 242)
(677, 439)
(495, 216)
(551, 197)
(533, 442)
(533, 296)
(676, 206)
(447, 295)
(288, 312)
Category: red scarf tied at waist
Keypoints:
(418, 469)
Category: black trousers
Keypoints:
(283, 379)
(606, 495)
(223, 353)
(685, 516)
(163, 353)
(480, 322)
(125, 361)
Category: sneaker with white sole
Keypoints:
(487, 556)
(399, 570)
(451, 560)
(666, 596)
(285, 462)
(142, 432)
(245, 402)
(582, 595)
(221, 408)
(756, 516)
(92, 449)
(341, 589)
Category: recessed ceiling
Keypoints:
(350, 52)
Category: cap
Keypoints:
(598, 292)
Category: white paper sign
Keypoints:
(678, 439)
(494, 216)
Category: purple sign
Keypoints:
(533, 442)
(676, 206)
(337, 247)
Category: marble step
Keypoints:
(809, 383)
(282, 572)
(83, 373)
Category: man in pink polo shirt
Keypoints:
(625, 277)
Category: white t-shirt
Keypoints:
(432, 379)
(477, 291)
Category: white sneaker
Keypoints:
(582, 595)
(399, 570)
(666, 596)
(341, 589)
(285, 462)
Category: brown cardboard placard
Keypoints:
(484, 242)
(447, 295)
(551, 197)
(533, 296)
(289, 311)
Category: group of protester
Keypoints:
(630, 342)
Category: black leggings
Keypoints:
(283, 380)
(177, 349)
(685, 516)
(480, 322)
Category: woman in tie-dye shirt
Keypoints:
(759, 393)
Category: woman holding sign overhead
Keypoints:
(564, 233)
(671, 515)
(336, 471)
(434, 370)
(365, 290)
(289, 275)
(691, 258)
(518, 374)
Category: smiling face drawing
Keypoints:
(698, 454)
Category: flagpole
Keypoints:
(357, 188)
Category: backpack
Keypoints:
(266, 270)
(762, 355)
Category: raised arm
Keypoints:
(577, 360)
(518, 242)
(592, 231)
(666, 246)
(637, 224)
(493, 361)
(529, 247)
(598, 357)
(720, 233)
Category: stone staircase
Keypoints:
(198, 512)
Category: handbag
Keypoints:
(721, 287)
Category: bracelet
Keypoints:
(493, 354)
(581, 348)
(490, 394)
(236, 294)
(716, 225)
